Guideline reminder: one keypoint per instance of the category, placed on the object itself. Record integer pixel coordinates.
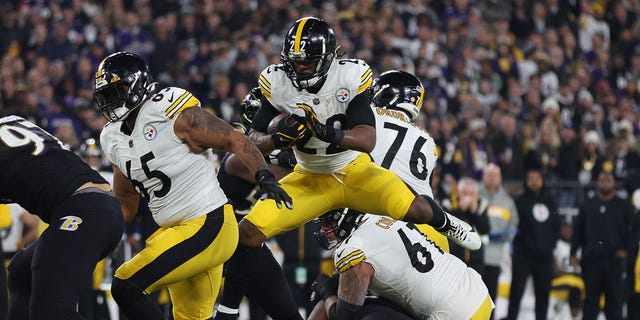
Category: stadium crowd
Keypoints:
(548, 85)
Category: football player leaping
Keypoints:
(159, 143)
(334, 170)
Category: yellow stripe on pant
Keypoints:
(186, 258)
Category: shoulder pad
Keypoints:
(173, 100)
(268, 76)
(348, 257)
(359, 71)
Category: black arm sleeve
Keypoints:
(343, 310)
(264, 115)
(359, 111)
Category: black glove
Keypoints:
(290, 130)
(322, 131)
(325, 286)
(248, 108)
(286, 159)
(270, 188)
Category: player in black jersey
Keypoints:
(85, 221)
(241, 190)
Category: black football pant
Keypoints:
(541, 271)
(603, 275)
(47, 278)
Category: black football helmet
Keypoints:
(248, 108)
(396, 89)
(122, 83)
(342, 222)
(309, 40)
(90, 148)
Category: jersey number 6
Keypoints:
(164, 179)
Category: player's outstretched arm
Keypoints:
(202, 130)
(126, 193)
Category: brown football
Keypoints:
(273, 125)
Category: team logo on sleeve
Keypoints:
(150, 132)
(342, 95)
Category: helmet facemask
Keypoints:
(336, 227)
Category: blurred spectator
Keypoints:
(468, 206)
(538, 231)
(603, 230)
(567, 288)
(477, 152)
(592, 160)
(547, 149)
(503, 219)
(569, 164)
(131, 38)
(623, 158)
(508, 146)
(57, 46)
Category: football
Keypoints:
(273, 125)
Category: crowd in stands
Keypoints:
(546, 84)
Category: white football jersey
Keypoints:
(179, 184)
(346, 79)
(405, 149)
(411, 270)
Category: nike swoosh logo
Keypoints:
(171, 99)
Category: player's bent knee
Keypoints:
(125, 292)
(250, 235)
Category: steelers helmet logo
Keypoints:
(540, 212)
(150, 132)
(342, 95)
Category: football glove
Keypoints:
(321, 130)
(289, 131)
(270, 188)
(284, 158)
(325, 286)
